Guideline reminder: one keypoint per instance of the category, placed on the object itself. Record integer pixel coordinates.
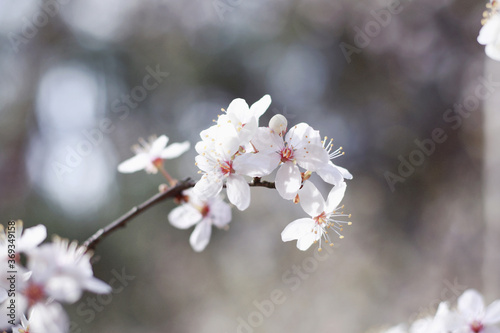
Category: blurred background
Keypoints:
(81, 81)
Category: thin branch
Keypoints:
(172, 193)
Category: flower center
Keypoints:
(286, 154)
(205, 210)
(34, 293)
(476, 326)
(320, 219)
(227, 167)
(158, 162)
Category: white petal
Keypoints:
(330, 174)
(32, 237)
(158, 145)
(184, 216)
(493, 51)
(489, 32)
(288, 180)
(256, 165)
(311, 200)
(335, 197)
(312, 158)
(301, 134)
(345, 173)
(297, 229)
(201, 236)
(208, 186)
(240, 109)
(492, 315)
(470, 303)
(48, 318)
(64, 288)
(175, 150)
(97, 286)
(490, 329)
(220, 213)
(265, 140)
(305, 242)
(136, 163)
(258, 108)
(238, 191)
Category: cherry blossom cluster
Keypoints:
(236, 148)
(489, 34)
(36, 278)
(470, 316)
(235, 151)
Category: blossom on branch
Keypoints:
(150, 155)
(204, 213)
(323, 217)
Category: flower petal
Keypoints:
(175, 150)
(136, 163)
(297, 229)
(32, 237)
(470, 303)
(240, 109)
(158, 145)
(330, 174)
(492, 315)
(258, 108)
(311, 200)
(288, 180)
(49, 318)
(97, 286)
(184, 216)
(208, 186)
(303, 133)
(256, 165)
(201, 236)
(238, 191)
(305, 242)
(220, 213)
(312, 158)
(335, 197)
(493, 51)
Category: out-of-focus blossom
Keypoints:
(150, 155)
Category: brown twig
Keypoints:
(172, 193)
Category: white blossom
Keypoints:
(150, 155)
(489, 34)
(301, 146)
(322, 218)
(204, 213)
(472, 316)
(62, 271)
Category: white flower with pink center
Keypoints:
(219, 167)
(323, 217)
(202, 213)
(472, 316)
(61, 271)
(301, 146)
(150, 155)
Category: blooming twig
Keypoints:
(171, 193)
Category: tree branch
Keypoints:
(172, 193)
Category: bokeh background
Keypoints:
(71, 67)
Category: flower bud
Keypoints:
(278, 124)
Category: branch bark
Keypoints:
(172, 193)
